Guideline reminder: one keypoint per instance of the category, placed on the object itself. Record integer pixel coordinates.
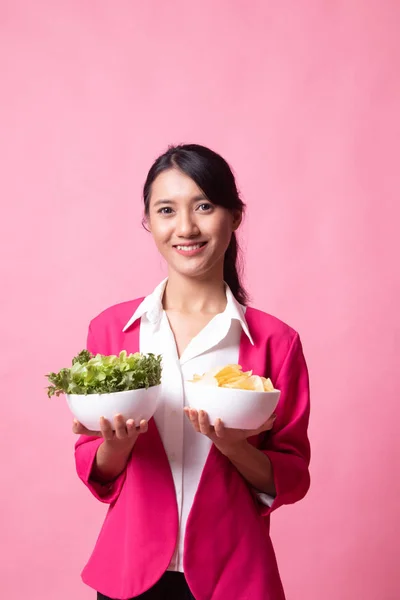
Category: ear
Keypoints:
(237, 219)
(146, 223)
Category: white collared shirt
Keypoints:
(217, 344)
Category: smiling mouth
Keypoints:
(190, 247)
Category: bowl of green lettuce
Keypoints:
(102, 386)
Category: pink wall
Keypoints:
(303, 99)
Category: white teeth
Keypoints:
(189, 248)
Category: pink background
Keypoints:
(303, 99)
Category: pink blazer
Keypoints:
(228, 552)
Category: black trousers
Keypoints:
(171, 586)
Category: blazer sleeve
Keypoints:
(85, 454)
(287, 445)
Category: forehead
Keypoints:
(174, 185)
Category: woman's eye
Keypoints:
(165, 210)
(206, 206)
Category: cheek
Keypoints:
(161, 232)
(222, 231)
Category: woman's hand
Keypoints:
(123, 436)
(112, 455)
(252, 464)
(225, 439)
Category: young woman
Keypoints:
(190, 500)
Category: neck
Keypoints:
(188, 294)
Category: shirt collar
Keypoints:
(235, 310)
(152, 307)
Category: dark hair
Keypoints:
(214, 177)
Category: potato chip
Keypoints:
(236, 381)
(228, 377)
(227, 373)
(268, 387)
(207, 379)
(233, 377)
(253, 383)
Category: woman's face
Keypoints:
(190, 232)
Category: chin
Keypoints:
(194, 271)
(195, 267)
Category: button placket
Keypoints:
(173, 430)
(173, 414)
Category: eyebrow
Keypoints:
(168, 201)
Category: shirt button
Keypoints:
(172, 456)
(173, 413)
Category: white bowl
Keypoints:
(132, 404)
(238, 409)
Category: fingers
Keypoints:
(106, 429)
(219, 428)
(144, 426)
(199, 420)
(193, 417)
(134, 429)
(128, 429)
(122, 430)
(80, 429)
(204, 423)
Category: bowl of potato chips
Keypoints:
(240, 399)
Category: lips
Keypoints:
(190, 249)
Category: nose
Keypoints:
(186, 225)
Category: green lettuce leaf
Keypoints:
(102, 374)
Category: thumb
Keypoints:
(80, 429)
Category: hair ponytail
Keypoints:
(232, 271)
